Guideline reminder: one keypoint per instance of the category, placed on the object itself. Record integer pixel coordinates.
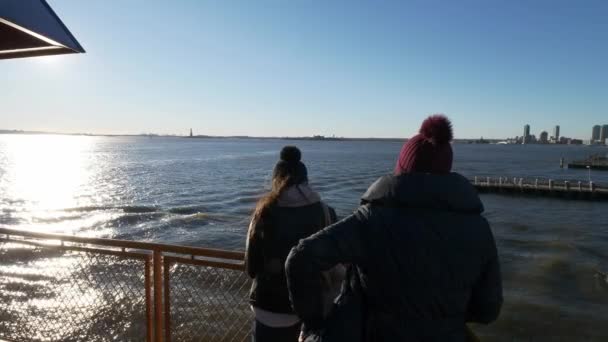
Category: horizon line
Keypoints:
(310, 137)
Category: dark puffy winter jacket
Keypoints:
(283, 228)
(426, 260)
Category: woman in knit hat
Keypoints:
(424, 258)
(288, 213)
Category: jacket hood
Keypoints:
(449, 192)
(298, 196)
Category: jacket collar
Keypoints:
(450, 192)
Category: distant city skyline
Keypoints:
(599, 135)
(599, 132)
(528, 130)
(302, 68)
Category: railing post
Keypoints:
(475, 180)
(591, 186)
(158, 296)
(166, 288)
(536, 183)
(580, 186)
(567, 185)
(550, 184)
(488, 179)
(148, 291)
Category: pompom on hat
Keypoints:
(290, 165)
(291, 154)
(430, 150)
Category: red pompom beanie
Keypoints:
(429, 151)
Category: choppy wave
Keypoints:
(183, 210)
(126, 208)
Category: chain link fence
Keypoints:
(206, 301)
(65, 288)
(70, 293)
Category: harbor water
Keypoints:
(554, 252)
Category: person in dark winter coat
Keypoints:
(289, 212)
(425, 259)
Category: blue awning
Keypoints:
(31, 28)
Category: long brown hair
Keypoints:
(279, 184)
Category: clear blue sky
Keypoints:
(290, 68)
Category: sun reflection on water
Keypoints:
(45, 173)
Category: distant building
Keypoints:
(190, 132)
(604, 134)
(595, 134)
(544, 137)
(575, 142)
(481, 141)
(526, 137)
(516, 140)
(556, 134)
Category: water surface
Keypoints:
(201, 192)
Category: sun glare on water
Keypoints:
(45, 172)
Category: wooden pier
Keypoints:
(594, 162)
(541, 187)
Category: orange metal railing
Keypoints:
(66, 288)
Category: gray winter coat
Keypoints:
(426, 258)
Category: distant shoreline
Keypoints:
(310, 138)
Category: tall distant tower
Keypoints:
(604, 134)
(544, 137)
(190, 132)
(556, 133)
(595, 134)
(526, 134)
